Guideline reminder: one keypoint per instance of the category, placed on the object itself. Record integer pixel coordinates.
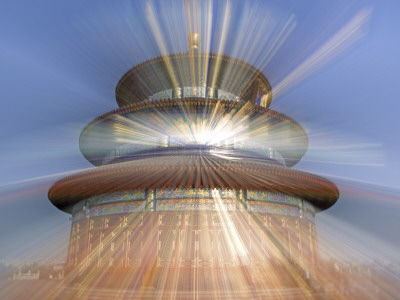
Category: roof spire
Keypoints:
(194, 40)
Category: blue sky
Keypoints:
(60, 63)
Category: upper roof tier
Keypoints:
(208, 72)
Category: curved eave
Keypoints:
(90, 146)
(190, 70)
(205, 171)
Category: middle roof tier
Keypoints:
(189, 122)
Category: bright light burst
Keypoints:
(259, 34)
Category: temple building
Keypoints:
(193, 189)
